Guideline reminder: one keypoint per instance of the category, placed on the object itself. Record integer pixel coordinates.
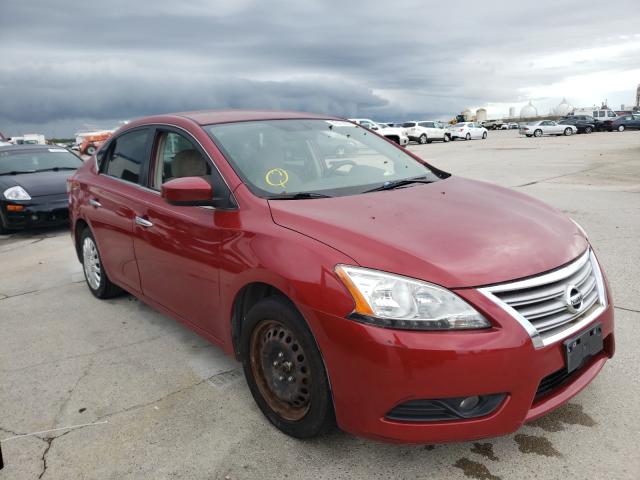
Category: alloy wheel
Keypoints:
(280, 369)
(91, 263)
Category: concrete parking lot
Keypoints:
(117, 390)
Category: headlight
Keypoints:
(394, 301)
(580, 228)
(16, 193)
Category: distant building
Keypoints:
(528, 111)
(481, 115)
(638, 96)
(468, 115)
(563, 108)
(512, 112)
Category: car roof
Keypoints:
(209, 117)
(206, 117)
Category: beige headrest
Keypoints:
(188, 163)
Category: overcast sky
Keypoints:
(67, 64)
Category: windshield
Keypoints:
(34, 160)
(283, 157)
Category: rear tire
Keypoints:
(588, 130)
(537, 133)
(484, 136)
(91, 150)
(284, 369)
(446, 138)
(568, 132)
(422, 139)
(97, 279)
(467, 136)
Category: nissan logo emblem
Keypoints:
(573, 298)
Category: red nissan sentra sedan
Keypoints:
(356, 283)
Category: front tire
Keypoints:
(423, 139)
(588, 130)
(467, 136)
(484, 136)
(284, 369)
(621, 128)
(97, 279)
(446, 138)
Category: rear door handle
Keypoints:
(143, 222)
(94, 203)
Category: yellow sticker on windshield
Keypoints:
(277, 177)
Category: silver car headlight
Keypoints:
(16, 193)
(394, 301)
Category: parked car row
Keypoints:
(579, 124)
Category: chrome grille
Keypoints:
(542, 303)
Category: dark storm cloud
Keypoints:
(77, 61)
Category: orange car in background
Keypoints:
(91, 143)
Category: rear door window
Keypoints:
(126, 156)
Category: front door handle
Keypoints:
(94, 203)
(143, 222)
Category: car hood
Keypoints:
(39, 183)
(454, 232)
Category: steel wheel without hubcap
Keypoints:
(280, 369)
(91, 262)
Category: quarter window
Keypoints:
(126, 156)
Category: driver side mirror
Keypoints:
(187, 191)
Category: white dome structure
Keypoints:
(481, 115)
(528, 111)
(563, 108)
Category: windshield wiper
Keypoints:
(299, 196)
(55, 169)
(399, 183)
(17, 172)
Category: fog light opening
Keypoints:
(469, 403)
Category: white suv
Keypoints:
(426, 131)
(394, 134)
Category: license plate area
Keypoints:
(583, 346)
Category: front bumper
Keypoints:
(372, 370)
(44, 211)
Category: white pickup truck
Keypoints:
(397, 135)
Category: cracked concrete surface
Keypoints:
(174, 410)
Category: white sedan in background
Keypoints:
(547, 127)
(395, 134)
(467, 130)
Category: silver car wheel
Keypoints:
(91, 263)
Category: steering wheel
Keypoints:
(333, 169)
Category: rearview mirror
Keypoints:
(187, 191)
